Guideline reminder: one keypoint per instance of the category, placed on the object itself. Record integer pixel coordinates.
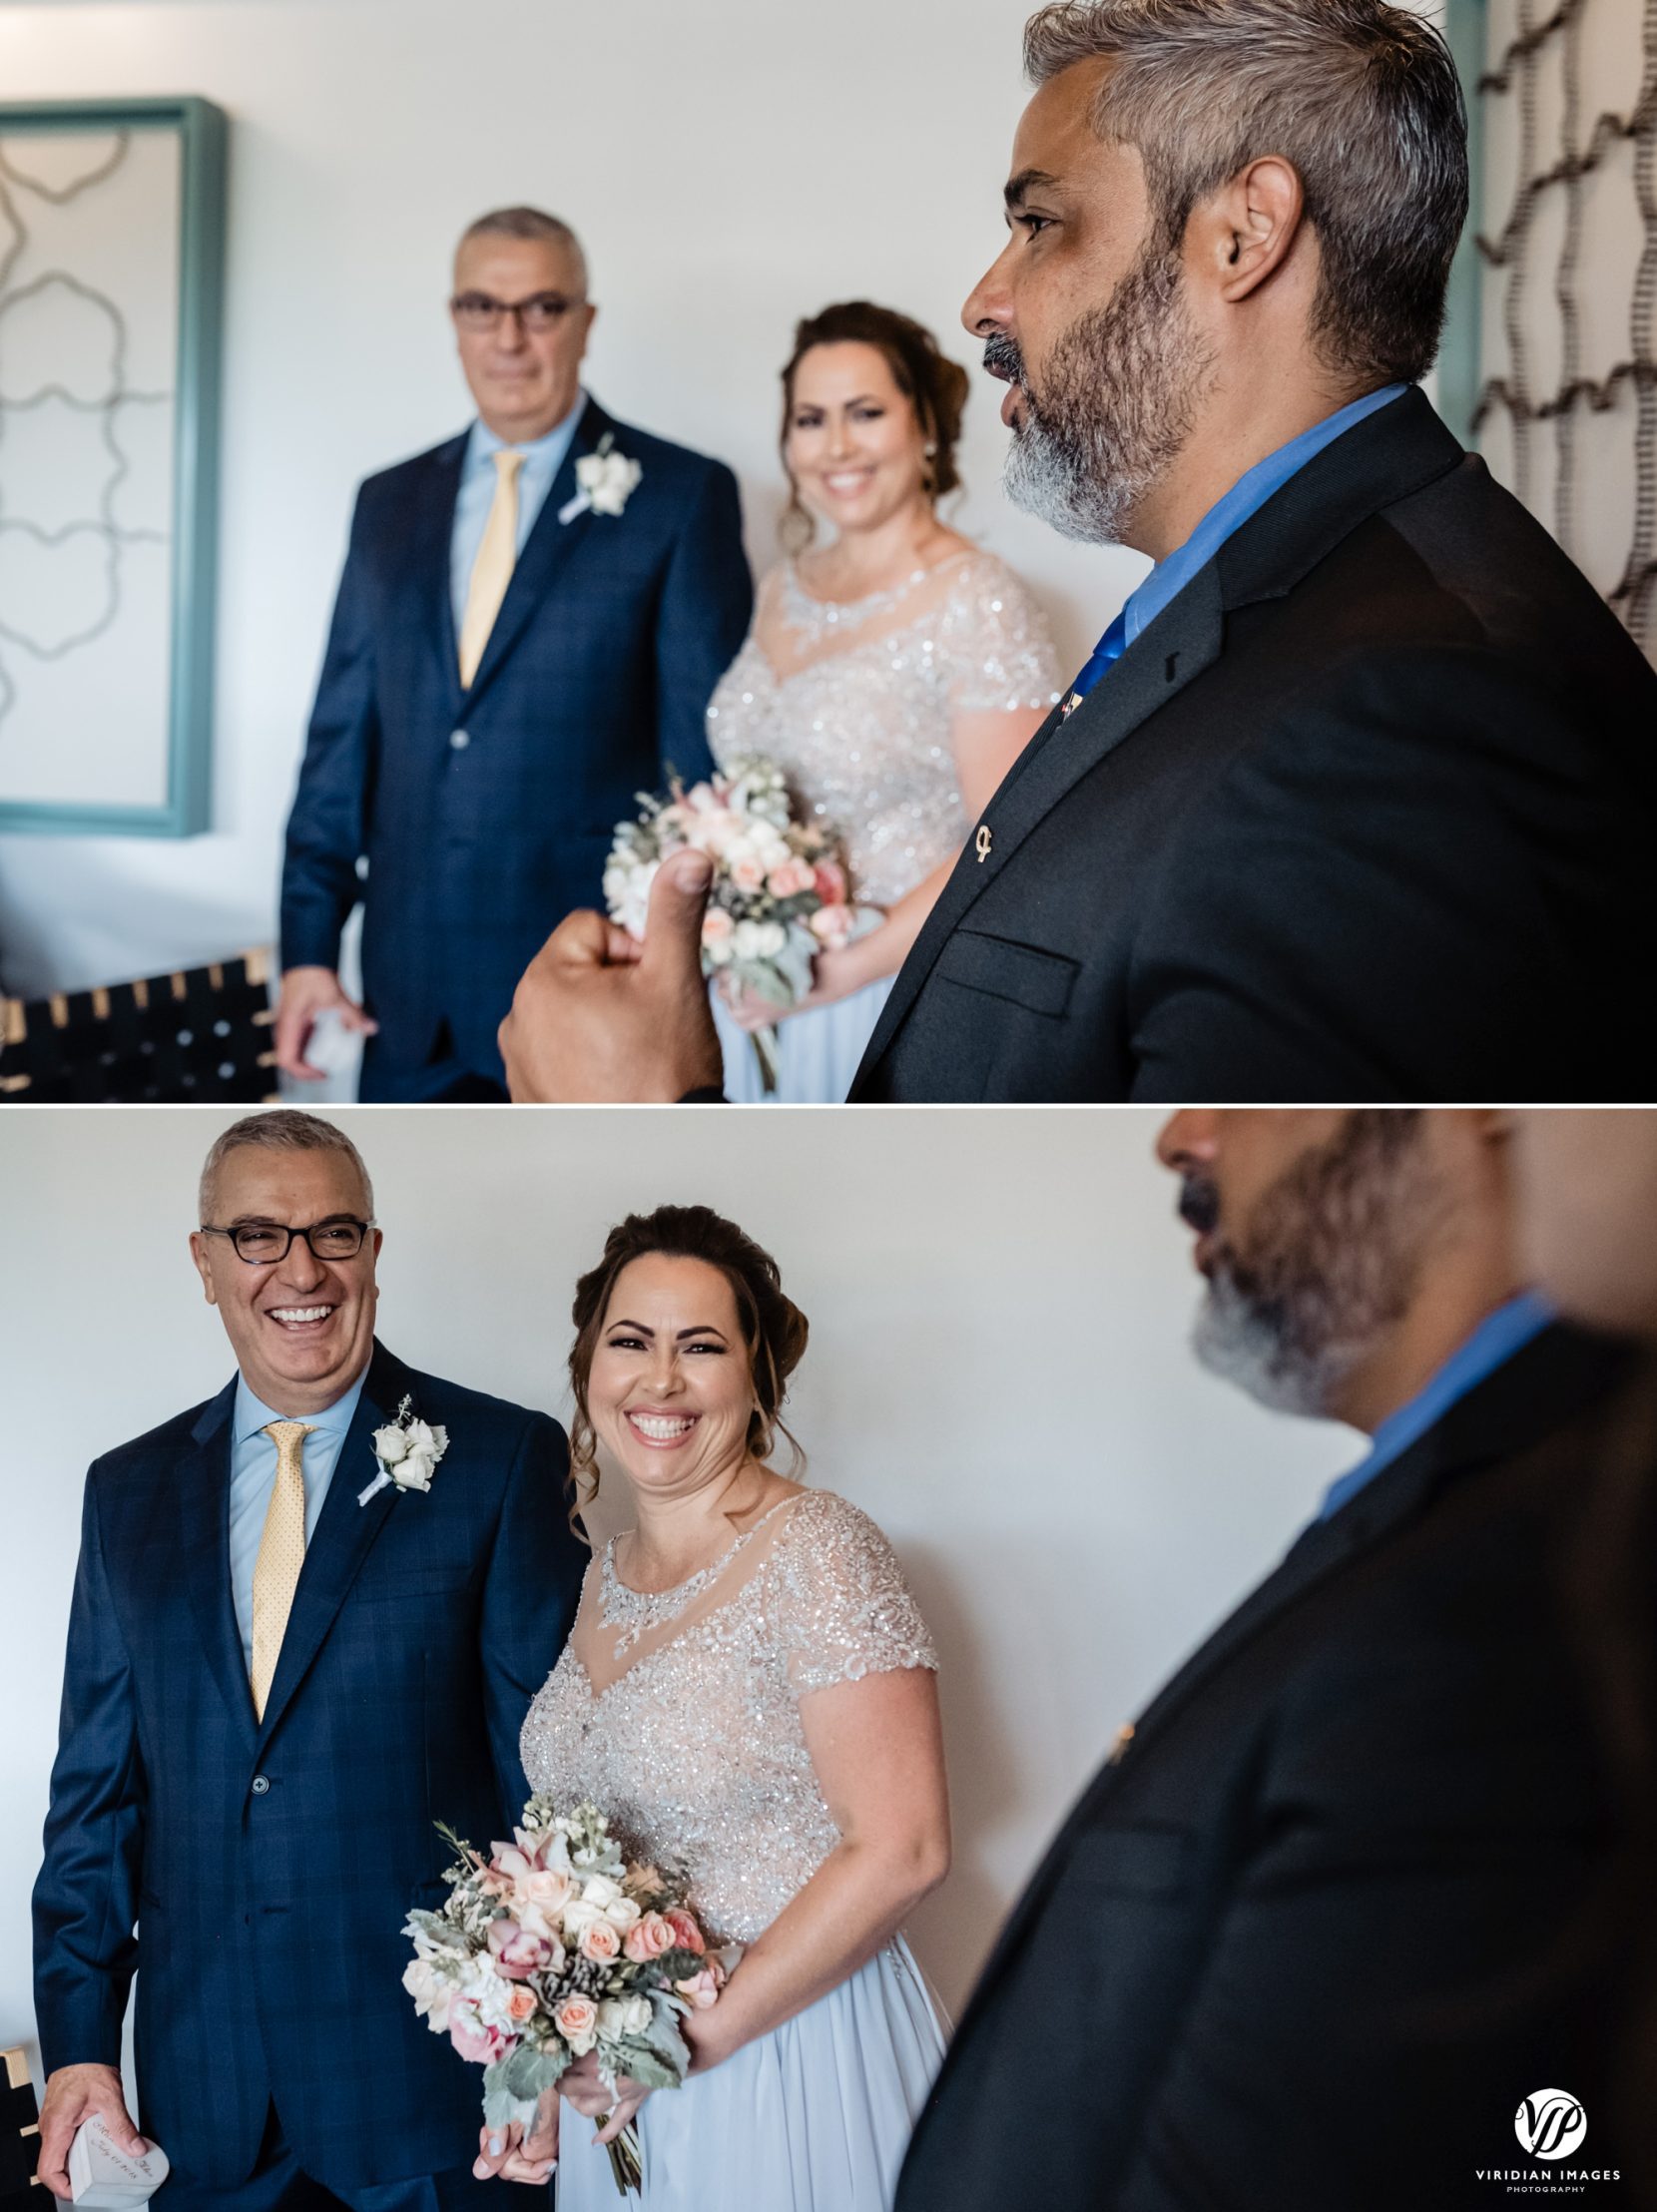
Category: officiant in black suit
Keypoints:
(1356, 798)
(1340, 1910)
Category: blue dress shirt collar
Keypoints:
(543, 457)
(252, 1415)
(1493, 1344)
(1245, 499)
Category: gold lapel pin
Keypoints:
(984, 842)
(1119, 1750)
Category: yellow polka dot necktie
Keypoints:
(281, 1555)
(497, 556)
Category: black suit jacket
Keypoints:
(1366, 812)
(1345, 1899)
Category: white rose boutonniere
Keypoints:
(407, 1450)
(608, 481)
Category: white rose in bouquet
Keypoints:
(619, 2017)
(432, 1992)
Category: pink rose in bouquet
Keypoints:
(700, 1989)
(685, 1928)
(653, 1933)
(830, 878)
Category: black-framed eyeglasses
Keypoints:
(543, 311)
(262, 1243)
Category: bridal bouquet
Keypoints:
(779, 892)
(555, 1947)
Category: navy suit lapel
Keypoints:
(428, 566)
(344, 1533)
(548, 546)
(204, 1553)
(1172, 652)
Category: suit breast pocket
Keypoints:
(1041, 982)
(1151, 1862)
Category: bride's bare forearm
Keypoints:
(856, 1902)
(872, 958)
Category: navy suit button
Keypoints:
(459, 740)
(262, 1782)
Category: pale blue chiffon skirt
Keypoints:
(818, 1051)
(813, 2117)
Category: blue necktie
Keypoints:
(1106, 653)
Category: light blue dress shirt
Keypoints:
(254, 1478)
(1493, 1344)
(478, 478)
(1228, 515)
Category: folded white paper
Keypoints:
(100, 2174)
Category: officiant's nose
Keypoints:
(1189, 1138)
(988, 308)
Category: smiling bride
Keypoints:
(750, 1694)
(895, 674)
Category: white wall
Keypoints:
(997, 1372)
(731, 165)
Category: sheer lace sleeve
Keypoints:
(841, 1606)
(995, 644)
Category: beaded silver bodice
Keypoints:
(858, 714)
(687, 1732)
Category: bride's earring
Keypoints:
(928, 474)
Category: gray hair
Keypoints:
(527, 222)
(283, 1128)
(1363, 98)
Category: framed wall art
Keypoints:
(112, 236)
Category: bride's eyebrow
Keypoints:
(643, 1329)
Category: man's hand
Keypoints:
(73, 2094)
(598, 1018)
(306, 993)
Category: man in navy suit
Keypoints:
(515, 655)
(276, 1684)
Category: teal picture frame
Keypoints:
(202, 132)
(1461, 356)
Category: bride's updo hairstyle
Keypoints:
(935, 386)
(774, 1329)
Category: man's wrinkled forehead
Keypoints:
(1056, 148)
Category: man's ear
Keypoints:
(203, 1268)
(1244, 233)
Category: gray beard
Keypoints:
(1300, 1373)
(1334, 1263)
(1123, 388)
